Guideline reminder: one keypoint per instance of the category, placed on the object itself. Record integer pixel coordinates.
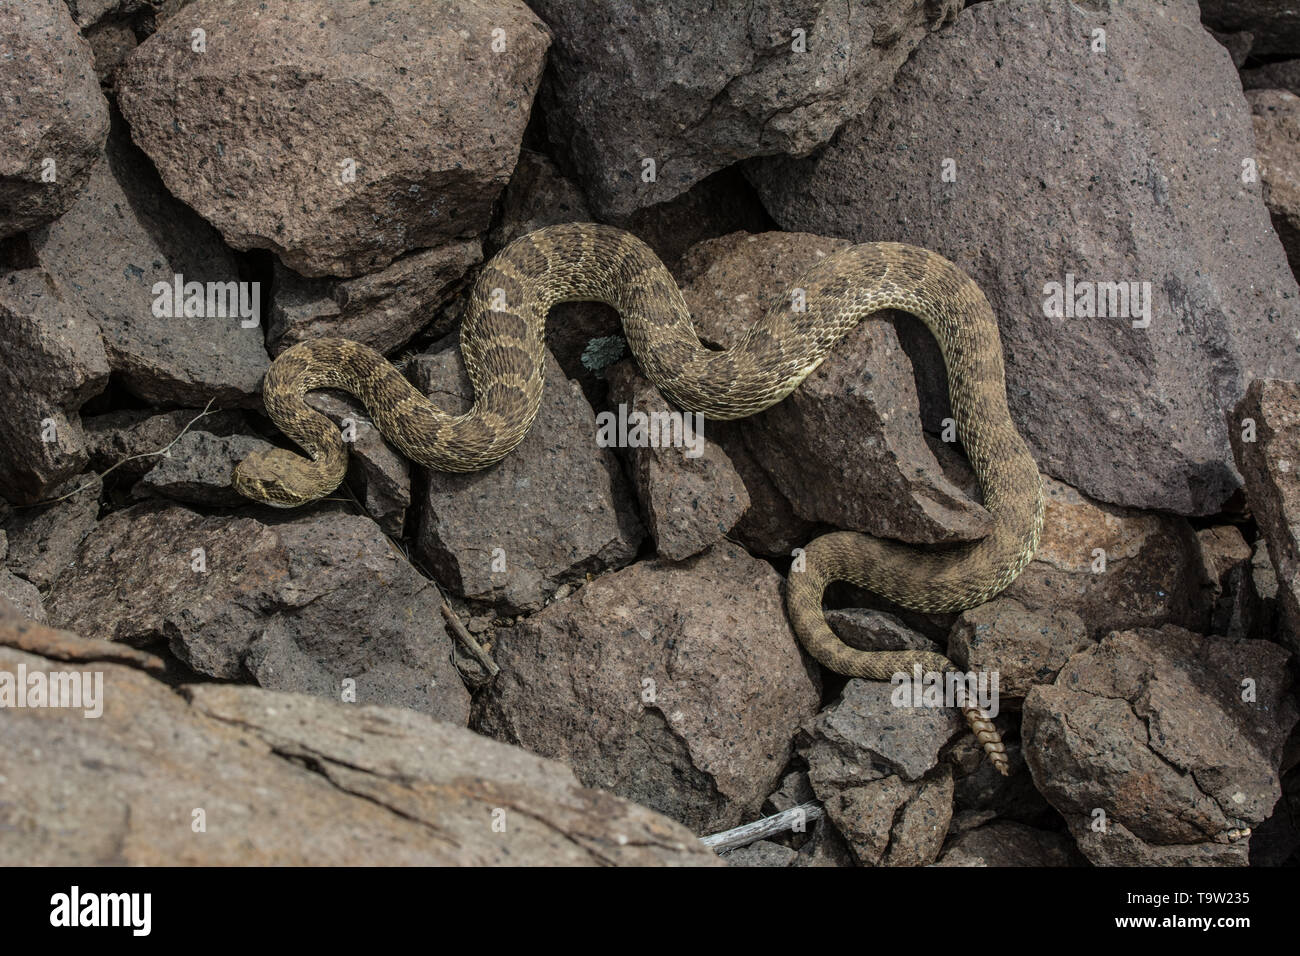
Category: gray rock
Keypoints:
(537, 195)
(1226, 560)
(22, 595)
(1284, 75)
(690, 493)
(762, 853)
(1045, 168)
(377, 472)
(875, 767)
(143, 237)
(1269, 413)
(1273, 22)
(678, 685)
(698, 88)
(308, 605)
(128, 440)
(54, 363)
(383, 310)
(383, 129)
(869, 630)
(287, 780)
(556, 508)
(1006, 843)
(1023, 647)
(198, 468)
(43, 541)
(1157, 746)
(54, 113)
(1276, 116)
(879, 476)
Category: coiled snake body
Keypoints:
(502, 344)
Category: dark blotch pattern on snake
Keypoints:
(502, 343)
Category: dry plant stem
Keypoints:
(762, 829)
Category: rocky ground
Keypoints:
(284, 687)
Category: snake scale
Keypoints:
(501, 340)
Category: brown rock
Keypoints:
(129, 440)
(142, 240)
(377, 472)
(1131, 416)
(878, 476)
(311, 604)
(1265, 430)
(1006, 843)
(56, 118)
(690, 493)
(697, 88)
(1284, 75)
(1276, 115)
(43, 541)
(383, 128)
(1022, 647)
(271, 776)
(555, 509)
(1157, 746)
(198, 468)
(677, 685)
(384, 310)
(54, 363)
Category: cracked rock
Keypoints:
(1160, 747)
(678, 685)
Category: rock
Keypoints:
(877, 477)
(825, 848)
(678, 685)
(870, 630)
(1006, 843)
(272, 775)
(1273, 22)
(310, 604)
(43, 541)
(129, 438)
(1284, 75)
(1276, 115)
(1022, 647)
(384, 310)
(22, 596)
(144, 240)
(198, 468)
(1225, 560)
(377, 472)
(1169, 739)
(537, 196)
(554, 509)
(875, 766)
(54, 363)
(56, 118)
(699, 88)
(384, 128)
(690, 493)
(794, 790)
(1265, 430)
(1129, 416)
(1115, 568)
(762, 853)
(770, 526)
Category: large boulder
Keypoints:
(1015, 146)
(675, 685)
(55, 117)
(696, 87)
(337, 133)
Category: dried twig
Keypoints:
(766, 827)
(144, 454)
(463, 635)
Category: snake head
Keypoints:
(277, 478)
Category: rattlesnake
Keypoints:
(502, 343)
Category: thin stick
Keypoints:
(144, 454)
(467, 639)
(766, 827)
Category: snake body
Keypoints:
(503, 347)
